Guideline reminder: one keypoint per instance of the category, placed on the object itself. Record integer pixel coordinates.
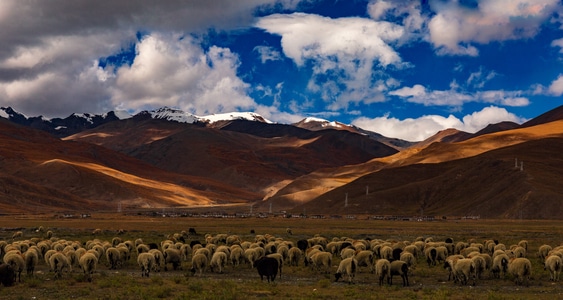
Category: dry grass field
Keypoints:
(298, 282)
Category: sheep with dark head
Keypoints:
(347, 266)
(7, 275)
(399, 268)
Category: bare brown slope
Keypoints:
(243, 154)
(49, 174)
(317, 183)
(488, 185)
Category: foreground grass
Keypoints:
(297, 282)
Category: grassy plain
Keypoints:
(296, 282)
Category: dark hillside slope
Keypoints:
(489, 185)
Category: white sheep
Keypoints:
(88, 263)
(218, 261)
(347, 266)
(31, 259)
(114, 258)
(294, 256)
(449, 263)
(237, 255)
(399, 268)
(158, 259)
(464, 269)
(147, 262)
(347, 252)
(16, 260)
(59, 262)
(553, 264)
(409, 258)
(365, 258)
(252, 255)
(543, 251)
(382, 270)
(500, 265)
(199, 263)
(521, 269)
(480, 265)
(321, 261)
(172, 256)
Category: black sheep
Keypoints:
(267, 266)
(7, 275)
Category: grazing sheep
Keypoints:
(553, 264)
(347, 252)
(288, 231)
(142, 248)
(237, 255)
(386, 252)
(114, 257)
(543, 251)
(449, 263)
(146, 261)
(185, 251)
(199, 263)
(382, 270)
(158, 258)
(365, 258)
(399, 268)
(252, 255)
(7, 275)
(172, 256)
(347, 266)
(500, 265)
(31, 260)
(294, 256)
(267, 266)
(321, 260)
(521, 269)
(17, 234)
(480, 265)
(17, 262)
(279, 258)
(88, 263)
(409, 258)
(464, 269)
(59, 262)
(96, 231)
(218, 260)
(430, 253)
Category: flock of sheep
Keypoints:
(462, 262)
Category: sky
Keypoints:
(404, 69)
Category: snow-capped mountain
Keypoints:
(180, 116)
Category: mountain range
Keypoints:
(229, 162)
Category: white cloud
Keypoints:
(418, 129)
(343, 53)
(169, 71)
(556, 87)
(48, 50)
(454, 27)
(267, 53)
(456, 98)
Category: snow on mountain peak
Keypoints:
(171, 114)
(249, 116)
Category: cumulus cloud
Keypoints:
(343, 53)
(173, 71)
(556, 87)
(456, 98)
(455, 27)
(50, 49)
(418, 129)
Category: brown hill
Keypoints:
(42, 173)
(555, 114)
(306, 188)
(489, 185)
(249, 155)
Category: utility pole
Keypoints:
(346, 200)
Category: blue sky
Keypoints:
(405, 69)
